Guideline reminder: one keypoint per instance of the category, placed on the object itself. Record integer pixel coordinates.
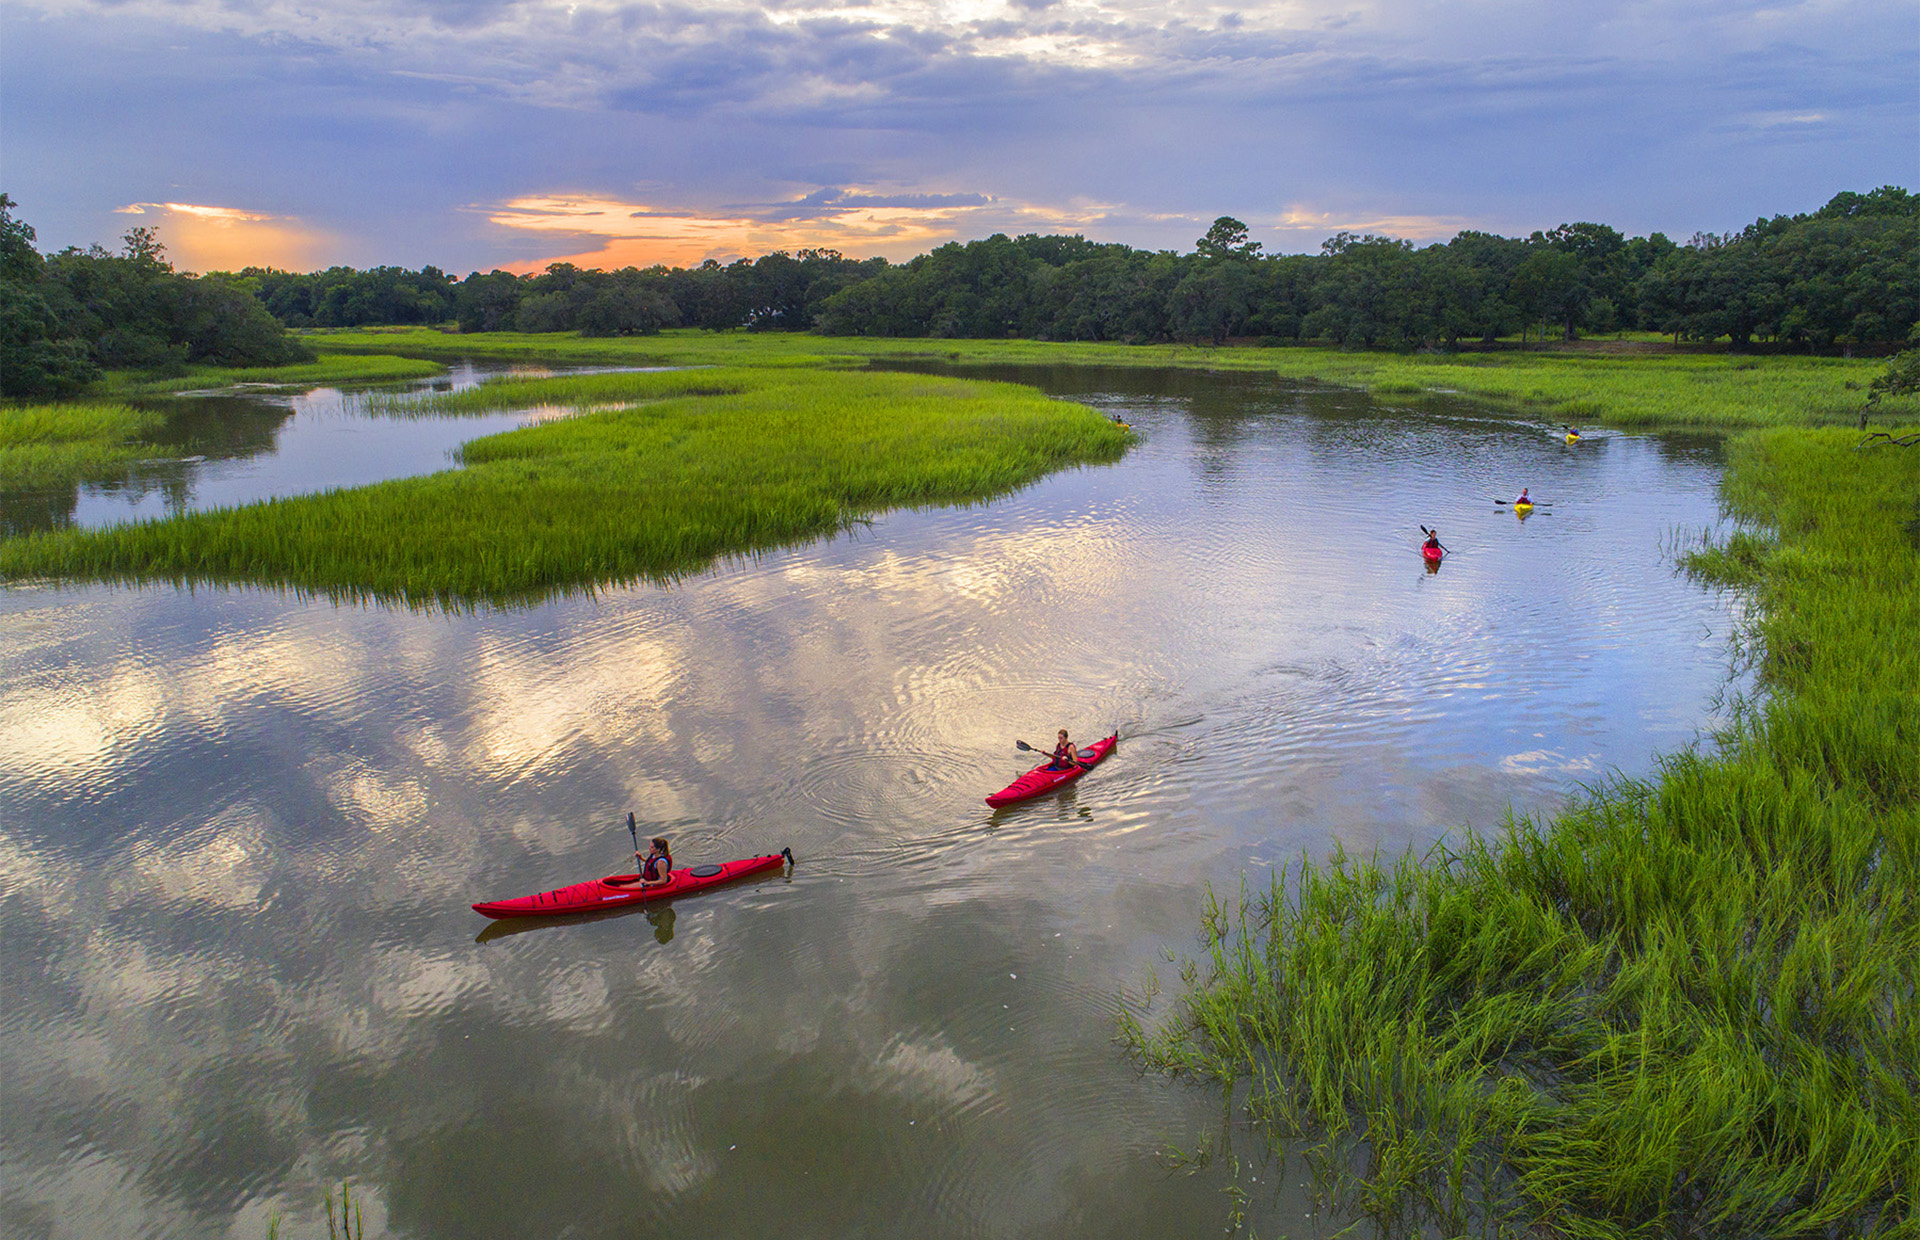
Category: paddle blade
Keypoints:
(1023, 745)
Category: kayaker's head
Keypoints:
(660, 843)
(1063, 735)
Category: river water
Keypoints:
(240, 831)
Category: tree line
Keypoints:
(66, 317)
(1848, 273)
(775, 292)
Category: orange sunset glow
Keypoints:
(619, 233)
(206, 238)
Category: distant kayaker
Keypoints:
(1065, 756)
(656, 866)
(1433, 540)
(1523, 497)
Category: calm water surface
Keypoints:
(228, 447)
(239, 832)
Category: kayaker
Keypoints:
(1065, 756)
(1433, 541)
(1523, 497)
(656, 867)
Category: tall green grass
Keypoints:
(337, 368)
(1684, 1007)
(59, 445)
(652, 490)
(564, 391)
(1715, 391)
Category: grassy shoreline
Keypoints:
(337, 368)
(1686, 1006)
(1681, 390)
(62, 444)
(691, 466)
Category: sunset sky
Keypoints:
(472, 134)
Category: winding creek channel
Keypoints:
(240, 830)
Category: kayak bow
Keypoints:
(1040, 780)
(620, 890)
(1432, 554)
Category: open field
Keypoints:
(646, 490)
(1710, 391)
(1684, 1007)
(58, 445)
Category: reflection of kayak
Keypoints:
(1040, 780)
(619, 890)
(1433, 554)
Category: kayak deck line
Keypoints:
(1040, 780)
(619, 890)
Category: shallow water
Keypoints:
(239, 832)
(227, 447)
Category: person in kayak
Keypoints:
(1065, 756)
(1433, 541)
(656, 867)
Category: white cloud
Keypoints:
(403, 132)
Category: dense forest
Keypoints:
(66, 317)
(1846, 274)
(781, 292)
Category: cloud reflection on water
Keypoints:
(239, 960)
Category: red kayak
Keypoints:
(1433, 554)
(1041, 780)
(620, 890)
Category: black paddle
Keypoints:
(1436, 541)
(633, 829)
(1031, 749)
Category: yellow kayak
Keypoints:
(1572, 437)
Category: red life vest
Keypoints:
(651, 870)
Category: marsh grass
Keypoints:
(59, 445)
(563, 391)
(334, 368)
(1716, 391)
(737, 463)
(1685, 1006)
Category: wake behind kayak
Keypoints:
(620, 890)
